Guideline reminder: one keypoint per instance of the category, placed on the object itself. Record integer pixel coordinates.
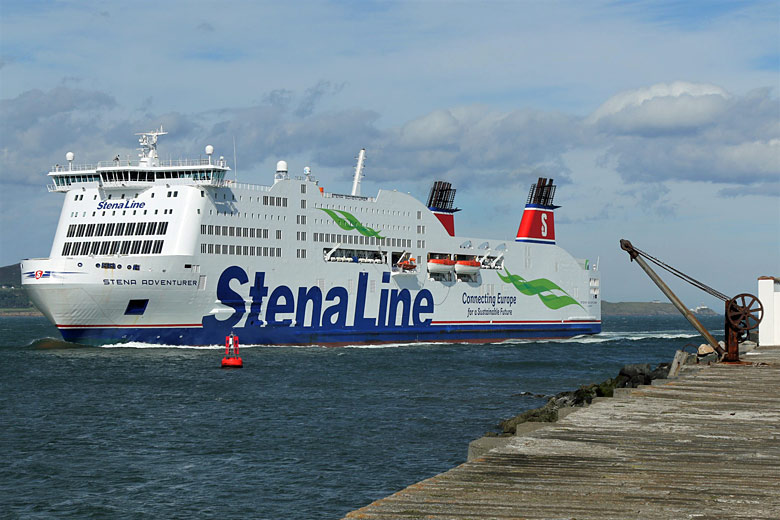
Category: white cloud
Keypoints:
(661, 108)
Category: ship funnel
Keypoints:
(441, 201)
(538, 224)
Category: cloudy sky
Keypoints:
(659, 121)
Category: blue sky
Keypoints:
(660, 121)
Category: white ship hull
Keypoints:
(313, 268)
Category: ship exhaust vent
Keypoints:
(442, 197)
(542, 193)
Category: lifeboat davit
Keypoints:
(441, 265)
(467, 267)
(231, 359)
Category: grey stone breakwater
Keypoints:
(630, 376)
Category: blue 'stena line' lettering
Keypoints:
(124, 204)
(307, 308)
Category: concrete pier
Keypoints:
(705, 445)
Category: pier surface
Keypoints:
(705, 445)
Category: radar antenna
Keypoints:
(148, 142)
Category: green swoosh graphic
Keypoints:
(539, 287)
(349, 222)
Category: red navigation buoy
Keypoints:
(231, 359)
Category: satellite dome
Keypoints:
(69, 156)
(209, 149)
(281, 166)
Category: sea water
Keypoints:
(133, 430)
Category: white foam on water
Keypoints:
(142, 345)
(604, 337)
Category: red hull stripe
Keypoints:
(498, 322)
(129, 326)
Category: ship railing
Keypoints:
(127, 163)
(227, 183)
(350, 197)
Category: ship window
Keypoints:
(71, 230)
(278, 234)
(175, 193)
(125, 247)
(104, 247)
(140, 228)
(95, 248)
(136, 307)
(136, 247)
(99, 230)
(151, 228)
(232, 250)
(224, 231)
(120, 228)
(158, 245)
(147, 248)
(278, 252)
(163, 228)
(272, 201)
(211, 249)
(115, 247)
(66, 249)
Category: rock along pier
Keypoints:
(704, 445)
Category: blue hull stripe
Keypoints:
(307, 336)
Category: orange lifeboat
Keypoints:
(231, 359)
(467, 267)
(407, 265)
(440, 265)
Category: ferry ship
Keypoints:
(174, 252)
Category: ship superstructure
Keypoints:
(174, 252)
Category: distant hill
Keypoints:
(10, 276)
(647, 309)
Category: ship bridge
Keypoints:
(146, 171)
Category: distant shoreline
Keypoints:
(647, 309)
(20, 312)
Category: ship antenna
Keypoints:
(235, 161)
(361, 158)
